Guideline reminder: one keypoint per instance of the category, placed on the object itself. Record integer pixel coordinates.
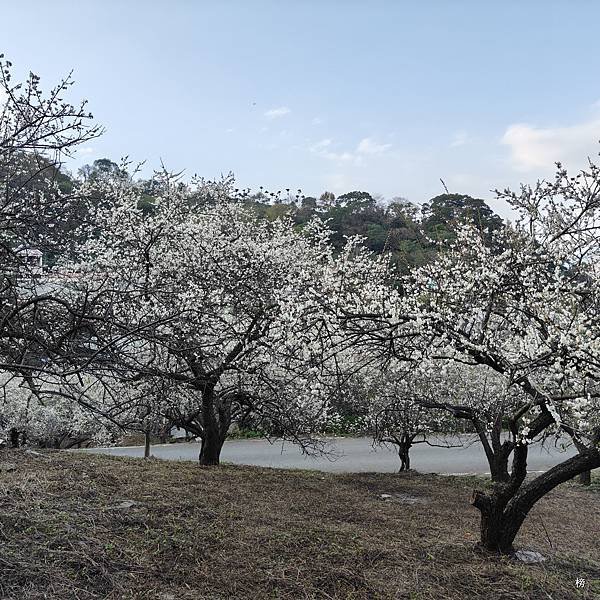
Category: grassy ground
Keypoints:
(81, 527)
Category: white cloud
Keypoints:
(339, 156)
(366, 147)
(230, 130)
(85, 150)
(460, 139)
(321, 145)
(537, 147)
(369, 146)
(322, 149)
(317, 121)
(275, 113)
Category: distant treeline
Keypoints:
(407, 231)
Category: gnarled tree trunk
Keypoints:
(504, 510)
(499, 526)
(215, 424)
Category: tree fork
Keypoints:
(505, 509)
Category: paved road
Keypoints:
(350, 455)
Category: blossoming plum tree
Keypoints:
(37, 129)
(243, 314)
(401, 399)
(384, 395)
(529, 312)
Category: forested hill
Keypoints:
(404, 229)
(407, 231)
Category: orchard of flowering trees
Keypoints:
(193, 311)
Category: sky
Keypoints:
(382, 96)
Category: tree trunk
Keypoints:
(214, 430)
(505, 509)
(491, 525)
(585, 478)
(146, 444)
(14, 438)
(496, 451)
(404, 454)
(499, 468)
(210, 451)
(498, 527)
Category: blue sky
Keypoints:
(328, 95)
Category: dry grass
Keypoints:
(243, 532)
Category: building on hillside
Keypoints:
(33, 260)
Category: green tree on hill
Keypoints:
(443, 213)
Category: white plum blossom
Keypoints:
(54, 415)
(245, 316)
